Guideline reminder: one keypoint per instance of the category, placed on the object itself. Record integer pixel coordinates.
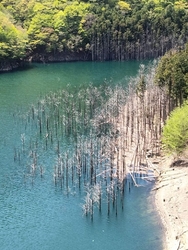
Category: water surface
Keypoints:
(36, 214)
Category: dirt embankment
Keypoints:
(172, 201)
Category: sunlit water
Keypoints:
(36, 214)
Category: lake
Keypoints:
(38, 212)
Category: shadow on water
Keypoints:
(23, 67)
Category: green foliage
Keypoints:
(12, 39)
(63, 31)
(41, 33)
(125, 28)
(175, 132)
(124, 5)
(172, 72)
(69, 25)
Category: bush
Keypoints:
(175, 132)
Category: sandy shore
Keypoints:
(172, 203)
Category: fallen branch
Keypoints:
(184, 232)
(170, 178)
(179, 245)
(151, 165)
(159, 187)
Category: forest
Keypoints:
(172, 75)
(62, 30)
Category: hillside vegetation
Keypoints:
(172, 74)
(94, 30)
(13, 38)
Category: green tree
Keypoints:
(172, 73)
(69, 25)
(13, 39)
(175, 132)
(107, 29)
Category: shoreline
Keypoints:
(171, 200)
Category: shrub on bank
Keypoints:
(175, 132)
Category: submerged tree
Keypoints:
(95, 139)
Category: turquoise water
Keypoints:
(37, 214)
